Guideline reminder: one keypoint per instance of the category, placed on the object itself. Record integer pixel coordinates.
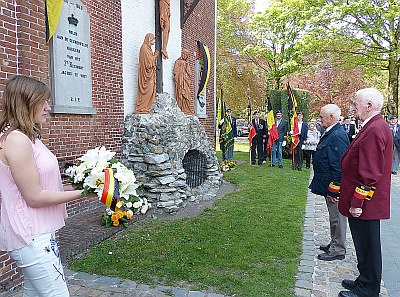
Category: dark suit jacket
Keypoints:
(283, 129)
(368, 160)
(396, 138)
(326, 162)
(303, 133)
(233, 124)
(351, 130)
(261, 129)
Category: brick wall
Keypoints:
(201, 26)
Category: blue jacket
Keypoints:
(283, 129)
(326, 161)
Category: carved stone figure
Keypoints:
(165, 14)
(182, 74)
(147, 75)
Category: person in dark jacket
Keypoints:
(298, 150)
(365, 191)
(326, 180)
(350, 128)
(395, 128)
(261, 131)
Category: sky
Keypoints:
(261, 5)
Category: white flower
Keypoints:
(97, 157)
(129, 204)
(95, 178)
(137, 204)
(109, 211)
(70, 171)
(130, 212)
(144, 208)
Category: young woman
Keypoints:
(32, 196)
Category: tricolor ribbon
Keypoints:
(334, 189)
(362, 191)
(110, 195)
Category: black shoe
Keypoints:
(394, 173)
(307, 167)
(299, 169)
(272, 165)
(347, 294)
(349, 284)
(330, 257)
(325, 248)
(280, 166)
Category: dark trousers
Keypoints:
(367, 241)
(257, 144)
(297, 157)
(309, 155)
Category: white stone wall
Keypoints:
(138, 19)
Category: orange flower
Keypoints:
(115, 217)
(128, 216)
(116, 223)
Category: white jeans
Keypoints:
(41, 265)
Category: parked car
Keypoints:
(242, 128)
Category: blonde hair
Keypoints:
(21, 98)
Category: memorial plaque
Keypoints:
(71, 75)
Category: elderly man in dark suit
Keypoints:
(298, 150)
(282, 126)
(365, 191)
(395, 128)
(326, 180)
(257, 141)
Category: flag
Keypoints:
(219, 109)
(206, 68)
(226, 133)
(53, 10)
(272, 129)
(292, 104)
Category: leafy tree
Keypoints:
(237, 78)
(276, 33)
(361, 33)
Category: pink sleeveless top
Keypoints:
(18, 221)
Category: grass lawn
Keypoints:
(247, 244)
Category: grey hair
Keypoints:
(332, 109)
(371, 95)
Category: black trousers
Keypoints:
(367, 241)
(257, 144)
(297, 157)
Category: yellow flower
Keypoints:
(116, 223)
(115, 217)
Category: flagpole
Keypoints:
(249, 121)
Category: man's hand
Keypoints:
(355, 211)
(332, 199)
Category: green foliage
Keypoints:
(247, 244)
(279, 100)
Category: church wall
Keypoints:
(138, 19)
(201, 26)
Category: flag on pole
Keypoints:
(272, 129)
(294, 127)
(226, 138)
(53, 10)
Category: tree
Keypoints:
(237, 79)
(362, 33)
(276, 33)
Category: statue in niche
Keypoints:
(147, 75)
(182, 74)
(165, 14)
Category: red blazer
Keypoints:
(368, 160)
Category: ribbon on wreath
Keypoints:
(110, 195)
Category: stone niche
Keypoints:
(170, 155)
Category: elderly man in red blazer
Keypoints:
(365, 191)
